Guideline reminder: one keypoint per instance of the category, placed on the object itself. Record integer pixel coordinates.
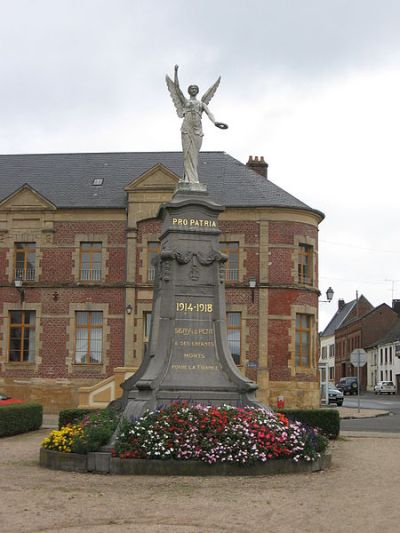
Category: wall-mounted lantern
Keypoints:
(252, 285)
(20, 289)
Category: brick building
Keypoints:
(77, 234)
(363, 328)
(344, 311)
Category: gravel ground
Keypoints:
(358, 493)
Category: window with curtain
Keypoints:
(305, 264)
(303, 340)
(22, 336)
(89, 337)
(90, 261)
(231, 249)
(233, 323)
(25, 256)
(153, 250)
(146, 330)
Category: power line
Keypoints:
(354, 280)
(347, 245)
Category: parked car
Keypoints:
(385, 387)
(6, 400)
(348, 385)
(335, 395)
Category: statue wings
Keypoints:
(206, 98)
(179, 99)
(176, 95)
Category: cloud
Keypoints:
(311, 85)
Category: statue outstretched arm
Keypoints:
(176, 93)
(208, 113)
(176, 82)
(220, 125)
(206, 100)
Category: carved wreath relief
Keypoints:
(183, 257)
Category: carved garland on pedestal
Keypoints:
(184, 257)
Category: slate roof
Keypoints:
(391, 336)
(66, 179)
(370, 312)
(338, 319)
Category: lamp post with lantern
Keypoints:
(323, 364)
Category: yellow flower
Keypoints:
(61, 440)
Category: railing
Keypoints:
(231, 274)
(98, 396)
(25, 274)
(305, 280)
(93, 274)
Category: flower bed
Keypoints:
(180, 439)
(217, 435)
(89, 435)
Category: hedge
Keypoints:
(327, 420)
(73, 416)
(20, 418)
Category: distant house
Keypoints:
(384, 358)
(345, 312)
(362, 331)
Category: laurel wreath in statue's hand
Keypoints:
(221, 125)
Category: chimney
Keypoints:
(258, 165)
(341, 304)
(396, 306)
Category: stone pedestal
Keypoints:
(188, 356)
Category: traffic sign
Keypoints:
(358, 357)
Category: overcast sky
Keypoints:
(312, 85)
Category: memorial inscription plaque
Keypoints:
(188, 356)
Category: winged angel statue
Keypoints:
(191, 111)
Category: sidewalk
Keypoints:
(352, 412)
(50, 421)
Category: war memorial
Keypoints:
(188, 364)
(188, 356)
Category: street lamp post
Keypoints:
(329, 296)
(324, 365)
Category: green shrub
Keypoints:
(73, 416)
(326, 420)
(20, 418)
(89, 434)
(97, 430)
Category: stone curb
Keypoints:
(104, 463)
(357, 416)
(369, 434)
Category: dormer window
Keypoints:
(97, 182)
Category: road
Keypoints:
(384, 424)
